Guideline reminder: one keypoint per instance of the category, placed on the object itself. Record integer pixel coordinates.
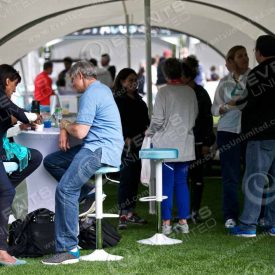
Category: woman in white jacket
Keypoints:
(230, 89)
(172, 123)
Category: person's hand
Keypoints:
(38, 120)
(64, 140)
(128, 141)
(232, 102)
(24, 127)
(223, 110)
(205, 150)
(13, 120)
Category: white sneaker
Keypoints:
(181, 228)
(166, 229)
(230, 223)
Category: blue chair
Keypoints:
(10, 167)
(100, 254)
(158, 155)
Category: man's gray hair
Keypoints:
(84, 67)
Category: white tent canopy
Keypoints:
(27, 25)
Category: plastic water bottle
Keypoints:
(58, 116)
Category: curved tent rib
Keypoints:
(221, 29)
(245, 18)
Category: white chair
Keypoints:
(158, 154)
(100, 254)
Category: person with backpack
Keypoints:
(27, 159)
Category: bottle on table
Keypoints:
(58, 116)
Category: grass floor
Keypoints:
(207, 249)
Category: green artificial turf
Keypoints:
(207, 249)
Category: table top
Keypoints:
(46, 131)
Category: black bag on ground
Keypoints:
(34, 236)
(87, 234)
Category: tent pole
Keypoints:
(147, 13)
(127, 36)
(25, 84)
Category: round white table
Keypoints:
(40, 184)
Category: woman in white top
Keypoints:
(230, 145)
(172, 123)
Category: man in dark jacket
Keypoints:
(258, 127)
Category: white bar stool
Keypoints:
(10, 167)
(100, 254)
(158, 154)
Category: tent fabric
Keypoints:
(29, 24)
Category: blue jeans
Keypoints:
(83, 166)
(58, 163)
(174, 179)
(230, 158)
(260, 171)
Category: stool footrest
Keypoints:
(105, 215)
(152, 198)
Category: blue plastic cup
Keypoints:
(47, 124)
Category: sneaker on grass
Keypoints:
(122, 222)
(166, 229)
(135, 219)
(62, 258)
(242, 231)
(230, 223)
(195, 217)
(181, 228)
(271, 232)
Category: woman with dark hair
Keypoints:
(231, 148)
(135, 120)
(172, 123)
(28, 159)
(203, 132)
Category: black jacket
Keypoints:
(203, 130)
(258, 115)
(8, 109)
(134, 117)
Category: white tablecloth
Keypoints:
(41, 185)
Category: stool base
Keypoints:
(160, 239)
(100, 255)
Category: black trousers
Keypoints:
(7, 191)
(196, 176)
(129, 181)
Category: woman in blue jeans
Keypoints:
(172, 123)
(28, 159)
(231, 148)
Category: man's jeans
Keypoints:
(83, 166)
(260, 171)
(58, 163)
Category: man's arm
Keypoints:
(79, 131)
